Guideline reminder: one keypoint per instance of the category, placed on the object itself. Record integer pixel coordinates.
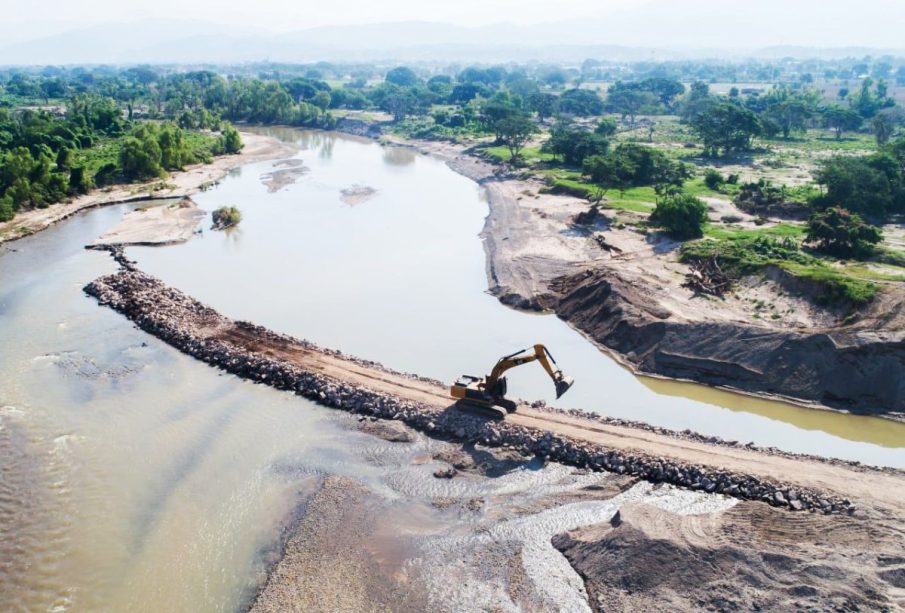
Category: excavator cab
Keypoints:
(489, 393)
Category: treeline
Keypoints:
(727, 124)
(47, 157)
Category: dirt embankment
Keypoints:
(570, 437)
(859, 368)
(177, 185)
(771, 338)
(748, 558)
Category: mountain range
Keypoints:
(659, 30)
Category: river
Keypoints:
(135, 478)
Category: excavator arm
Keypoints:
(542, 355)
(487, 393)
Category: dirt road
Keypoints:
(334, 379)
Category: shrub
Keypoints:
(6, 208)
(840, 232)
(683, 216)
(713, 179)
(226, 217)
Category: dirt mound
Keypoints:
(853, 368)
(743, 559)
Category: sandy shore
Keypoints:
(165, 224)
(177, 185)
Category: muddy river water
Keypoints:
(134, 478)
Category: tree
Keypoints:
(682, 215)
(580, 102)
(883, 128)
(668, 177)
(544, 104)
(79, 181)
(841, 119)
(840, 232)
(606, 127)
(232, 141)
(870, 185)
(515, 131)
(868, 103)
(629, 102)
(140, 155)
(440, 85)
(573, 144)
(402, 76)
(786, 110)
(7, 210)
(696, 101)
(399, 104)
(727, 127)
(610, 172)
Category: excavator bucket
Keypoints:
(562, 385)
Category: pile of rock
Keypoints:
(178, 319)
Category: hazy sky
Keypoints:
(724, 24)
(295, 14)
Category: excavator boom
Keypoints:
(489, 392)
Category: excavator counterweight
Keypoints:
(489, 393)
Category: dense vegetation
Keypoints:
(640, 137)
(46, 157)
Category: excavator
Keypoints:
(488, 393)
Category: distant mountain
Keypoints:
(660, 29)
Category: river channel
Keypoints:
(134, 478)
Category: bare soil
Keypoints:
(871, 488)
(744, 559)
(166, 224)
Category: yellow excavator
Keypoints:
(488, 393)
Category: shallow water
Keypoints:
(135, 478)
(401, 279)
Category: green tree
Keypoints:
(883, 127)
(840, 119)
(629, 102)
(606, 127)
(868, 185)
(7, 210)
(788, 110)
(573, 144)
(544, 104)
(840, 232)
(682, 215)
(580, 102)
(726, 127)
(232, 140)
(515, 131)
(139, 155)
(402, 76)
(79, 180)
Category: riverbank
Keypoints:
(572, 437)
(179, 184)
(626, 295)
(851, 532)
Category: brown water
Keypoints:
(134, 478)
(401, 279)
